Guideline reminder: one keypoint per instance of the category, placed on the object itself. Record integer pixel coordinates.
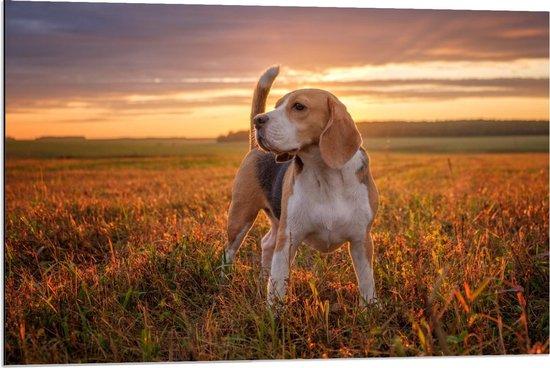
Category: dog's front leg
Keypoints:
(269, 241)
(285, 252)
(361, 251)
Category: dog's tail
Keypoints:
(259, 99)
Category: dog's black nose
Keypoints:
(260, 120)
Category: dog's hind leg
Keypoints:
(247, 200)
(240, 220)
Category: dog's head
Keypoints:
(309, 117)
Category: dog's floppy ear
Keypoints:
(340, 139)
(282, 157)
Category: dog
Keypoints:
(307, 171)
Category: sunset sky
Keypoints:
(135, 70)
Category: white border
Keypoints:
(427, 362)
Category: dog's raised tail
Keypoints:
(260, 97)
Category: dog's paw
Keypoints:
(274, 299)
(223, 272)
(276, 307)
(225, 267)
(370, 303)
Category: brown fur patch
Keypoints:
(373, 196)
(365, 177)
(310, 121)
(363, 174)
(322, 120)
(247, 197)
(340, 139)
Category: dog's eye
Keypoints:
(298, 106)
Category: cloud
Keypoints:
(442, 89)
(100, 53)
(159, 41)
(176, 102)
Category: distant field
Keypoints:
(66, 148)
(181, 147)
(460, 144)
(117, 260)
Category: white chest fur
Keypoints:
(329, 207)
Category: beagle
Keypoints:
(307, 170)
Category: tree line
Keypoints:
(463, 128)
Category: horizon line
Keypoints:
(83, 137)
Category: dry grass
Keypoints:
(117, 260)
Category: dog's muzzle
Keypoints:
(260, 120)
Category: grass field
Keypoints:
(117, 260)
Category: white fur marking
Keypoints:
(280, 133)
(266, 80)
(280, 270)
(363, 271)
(327, 208)
(330, 207)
